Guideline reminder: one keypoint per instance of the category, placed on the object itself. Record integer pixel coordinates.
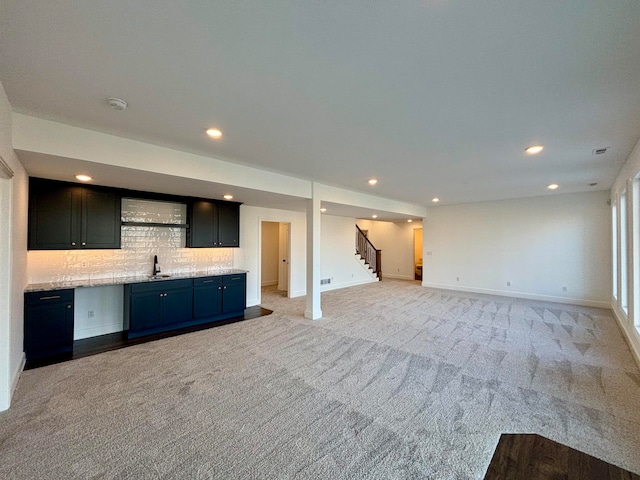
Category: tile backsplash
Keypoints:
(139, 245)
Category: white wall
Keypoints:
(269, 252)
(107, 305)
(395, 239)
(337, 254)
(13, 258)
(247, 257)
(539, 245)
(625, 179)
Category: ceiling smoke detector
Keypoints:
(117, 103)
(600, 151)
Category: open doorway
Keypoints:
(275, 255)
(417, 253)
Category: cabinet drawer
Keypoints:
(236, 278)
(160, 285)
(204, 281)
(49, 297)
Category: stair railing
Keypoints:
(369, 253)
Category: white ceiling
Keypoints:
(432, 97)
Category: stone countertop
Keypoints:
(100, 282)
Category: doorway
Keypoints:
(417, 253)
(275, 256)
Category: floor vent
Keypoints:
(325, 281)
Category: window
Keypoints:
(614, 247)
(635, 251)
(624, 264)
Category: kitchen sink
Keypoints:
(159, 277)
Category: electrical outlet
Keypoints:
(91, 314)
(457, 279)
(564, 289)
(508, 284)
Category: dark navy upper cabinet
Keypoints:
(66, 216)
(213, 224)
(48, 323)
(228, 224)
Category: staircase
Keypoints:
(368, 255)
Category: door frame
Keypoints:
(288, 270)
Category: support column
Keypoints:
(313, 310)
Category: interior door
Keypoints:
(284, 252)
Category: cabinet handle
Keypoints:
(219, 288)
(68, 306)
(52, 297)
(84, 243)
(207, 281)
(224, 288)
(73, 244)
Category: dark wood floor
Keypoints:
(115, 341)
(532, 457)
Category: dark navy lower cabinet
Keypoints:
(163, 305)
(234, 289)
(207, 297)
(153, 307)
(48, 323)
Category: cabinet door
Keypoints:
(207, 300)
(177, 306)
(100, 219)
(202, 224)
(145, 310)
(228, 224)
(233, 293)
(53, 216)
(48, 324)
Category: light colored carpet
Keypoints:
(397, 381)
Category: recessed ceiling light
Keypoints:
(533, 149)
(409, 221)
(373, 181)
(228, 196)
(323, 209)
(374, 216)
(214, 133)
(553, 186)
(435, 199)
(84, 178)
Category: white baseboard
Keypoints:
(87, 332)
(268, 283)
(297, 293)
(15, 377)
(629, 332)
(397, 276)
(529, 296)
(337, 286)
